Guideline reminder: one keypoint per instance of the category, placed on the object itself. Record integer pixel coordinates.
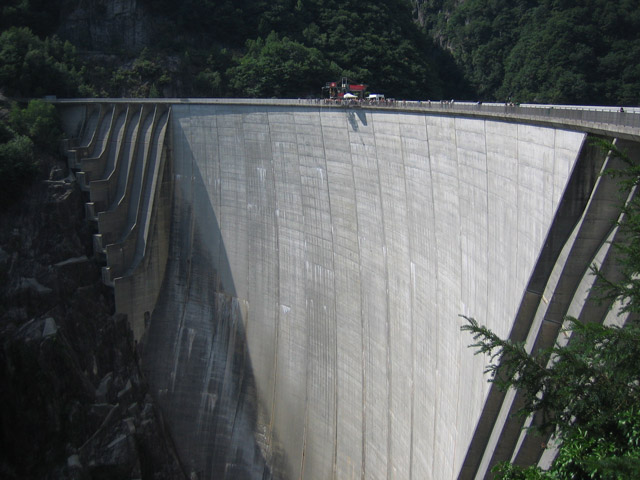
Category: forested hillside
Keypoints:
(285, 48)
(584, 51)
(545, 51)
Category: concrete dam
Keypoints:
(295, 273)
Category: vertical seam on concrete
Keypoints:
(176, 347)
(306, 386)
(433, 206)
(243, 154)
(362, 336)
(211, 357)
(388, 326)
(335, 307)
(517, 235)
(244, 321)
(277, 288)
(486, 233)
(411, 305)
(218, 254)
(553, 172)
(488, 253)
(487, 212)
(219, 163)
(458, 337)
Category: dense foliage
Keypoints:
(41, 16)
(587, 392)
(38, 121)
(241, 48)
(30, 66)
(547, 51)
(572, 397)
(292, 47)
(279, 67)
(377, 43)
(24, 133)
(585, 51)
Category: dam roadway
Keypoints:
(294, 272)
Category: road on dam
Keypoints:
(304, 269)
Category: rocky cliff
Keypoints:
(105, 25)
(74, 402)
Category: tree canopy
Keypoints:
(547, 51)
(224, 48)
(280, 67)
(25, 133)
(30, 66)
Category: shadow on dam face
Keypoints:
(317, 265)
(307, 324)
(195, 352)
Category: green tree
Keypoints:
(33, 67)
(572, 396)
(586, 393)
(210, 72)
(554, 58)
(379, 45)
(280, 67)
(39, 121)
(143, 77)
(18, 166)
(29, 132)
(583, 51)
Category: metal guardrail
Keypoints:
(598, 119)
(630, 116)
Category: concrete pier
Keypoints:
(295, 274)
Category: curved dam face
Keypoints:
(308, 321)
(295, 273)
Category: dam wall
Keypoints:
(298, 281)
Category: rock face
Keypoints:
(74, 404)
(106, 25)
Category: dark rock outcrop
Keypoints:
(106, 25)
(74, 404)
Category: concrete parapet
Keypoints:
(599, 120)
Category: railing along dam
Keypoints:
(295, 272)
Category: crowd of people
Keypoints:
(381, 101)
(506, 107)
(360, 101)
